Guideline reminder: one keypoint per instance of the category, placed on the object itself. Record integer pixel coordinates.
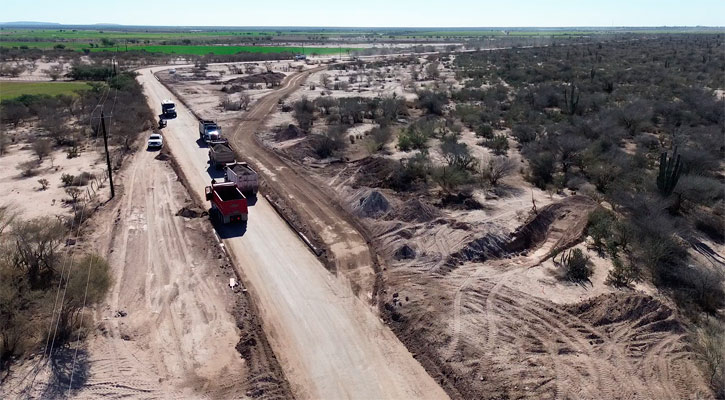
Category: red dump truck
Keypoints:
(228, 204)
(242, 175)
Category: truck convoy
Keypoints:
(228, 204)
(209, 131)
(220, 154)
(243, 177)
(168, 109)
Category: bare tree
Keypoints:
(54, 72)
(244, 100)
(325, 80)
(496, 168)
(432, 70)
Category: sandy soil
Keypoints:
(24, 194)
(172, 327)
(34, 72)
(329, 342)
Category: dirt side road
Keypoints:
(329, 342)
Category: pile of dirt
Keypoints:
(376, 171)
(405, 252)
(490, 246)
(641, 310)
(415, 210)
(268, 78)
(460, 201)
(191, 212)
(562, 223)
(373, 205)
(291, 132)
(163, 156)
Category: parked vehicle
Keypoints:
(243, 176)
(220, 154)
(155, 141)
(228, 204)
(209, 131)
(168, 109)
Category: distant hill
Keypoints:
(29, 23)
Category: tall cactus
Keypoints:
(571, 99)
(669, 174)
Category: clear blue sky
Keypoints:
(370, 13)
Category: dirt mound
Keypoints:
(488, 247)
(373, 205)
(640, 310)
(268, 78)
(191, 212)
(460, 201)
(291, 132)
(405, 252)
(415, 210)
(162, 157)
(376, 171)
(559, 225)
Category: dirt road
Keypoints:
(329, 343)
(310, 199)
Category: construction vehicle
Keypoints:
(168, 109)
(220, 154)
(228, 204)
(243, 176)
(209, 131)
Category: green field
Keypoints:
(182, 49)
(11, 90)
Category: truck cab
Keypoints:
(168, 109)
(209, 131)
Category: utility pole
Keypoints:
(108, 157)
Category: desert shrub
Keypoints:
(377, 138)
(542, 167)
(42, 148)
(331, 142)
(496, 168)
(524, 133)
(28, 168)
(229, 104)
(622, 274)
(457, 154)
(485, 131)
(710, 344)
(304, 113)
(73, 194)
(90, 72)
(37, 249)
(81, 179)
(412, 171)
(432, 102)
(416, 136)
(449, 178)
(600, 226)
(499, 144)
(43, 183)
(575, 264)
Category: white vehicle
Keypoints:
(168, 109)
(172, 71)
(155, 141)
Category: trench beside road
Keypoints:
(329, 343)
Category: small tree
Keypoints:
(499, 144)
(74, 193)
(325, 81)
(496, 168)
(43, 183)
(432, 71)
(42, 148)
(244, 100)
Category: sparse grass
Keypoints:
(11, 90)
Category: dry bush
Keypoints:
(28, 168)
(496, 168)
(229, 104)
(41, 148)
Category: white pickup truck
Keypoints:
(243, 176)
